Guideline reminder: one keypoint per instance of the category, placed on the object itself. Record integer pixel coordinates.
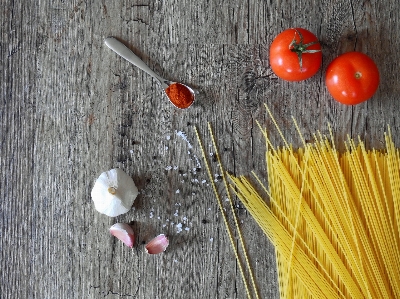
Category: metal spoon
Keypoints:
(126, 53)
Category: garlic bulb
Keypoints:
(114, 192)
(123, 232)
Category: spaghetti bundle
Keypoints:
(334, 219)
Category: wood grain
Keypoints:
(71, 109)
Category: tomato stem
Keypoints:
(299, 47)
(358, 75)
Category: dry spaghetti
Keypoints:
(334, 218)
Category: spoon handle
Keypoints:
(126, 53)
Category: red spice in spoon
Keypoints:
(180, 95)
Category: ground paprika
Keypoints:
(180, 95)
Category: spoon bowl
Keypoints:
(180, 95)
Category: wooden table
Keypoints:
(71, 109)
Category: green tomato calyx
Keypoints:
(299, 47)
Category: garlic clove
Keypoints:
(123, 232)
(157, 245)
(114, 192)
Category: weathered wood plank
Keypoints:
(71, 109)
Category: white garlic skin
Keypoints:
(114, 192)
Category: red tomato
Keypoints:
(295, 54)
(352, 78)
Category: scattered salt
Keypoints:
(184, 137)
(203, 181)
(187, 228)
(168, 137)
(175, 167)
(177, 191)
(197, 161)
(168, 168)
(211, 239)
(131, 151)
(179, 228)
